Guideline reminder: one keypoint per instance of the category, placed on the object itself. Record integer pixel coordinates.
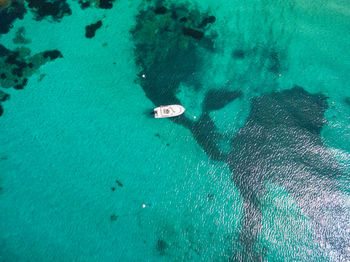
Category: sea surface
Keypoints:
(257, 169)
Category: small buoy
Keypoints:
(279, 75)
(143, 76)
(143, 205)
(194, 117)
(332, 102)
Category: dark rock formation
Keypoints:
(53, 54)
(160, 10)
(161, 246)
(8, 15)
(238, 54)
(91, 29)
(17, 66)
(106, 4)
(119, 183)
(114, 217)
(196, 34)
(84, 4)
(208, 20)
(55, 9)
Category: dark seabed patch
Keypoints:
(347, 101)
(52, 55)
(103, 4)
(216, 99)
(19, 38)
(114, 218)
(8, 15)
(3, 97)
(84, 4)
(18, 65)
(161, 246)
(238, 54)
(90, 30)
(106, 4)
(168, 48)
(280, 142)
(56, 9)
(119, 183)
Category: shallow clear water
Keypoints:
(80, 155)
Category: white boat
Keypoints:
(168, 111)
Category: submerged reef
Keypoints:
(103, 4)
(84, 4)
(12, 10)
(9, 12)
(3, 97)
(18, 65)
(280, 142)
(168, 41)
(161, 246)
(55, 9)
(91, 29)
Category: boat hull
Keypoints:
(168, 111)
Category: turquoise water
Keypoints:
(80, 124)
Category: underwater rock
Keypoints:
(91, 29)
(210, 197)
(55, 9)
(4, 51)
(114, 217)
(106, 4)
(165, 54)
(160, 10)
(103, 4)
(84, 4)
(183, 20)
(238, 54)
(52, 54)
(3, 97)
(9, 14)
(17, 66)
(196, 34)
(161, 246)
(208, 20)
(119, 183)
